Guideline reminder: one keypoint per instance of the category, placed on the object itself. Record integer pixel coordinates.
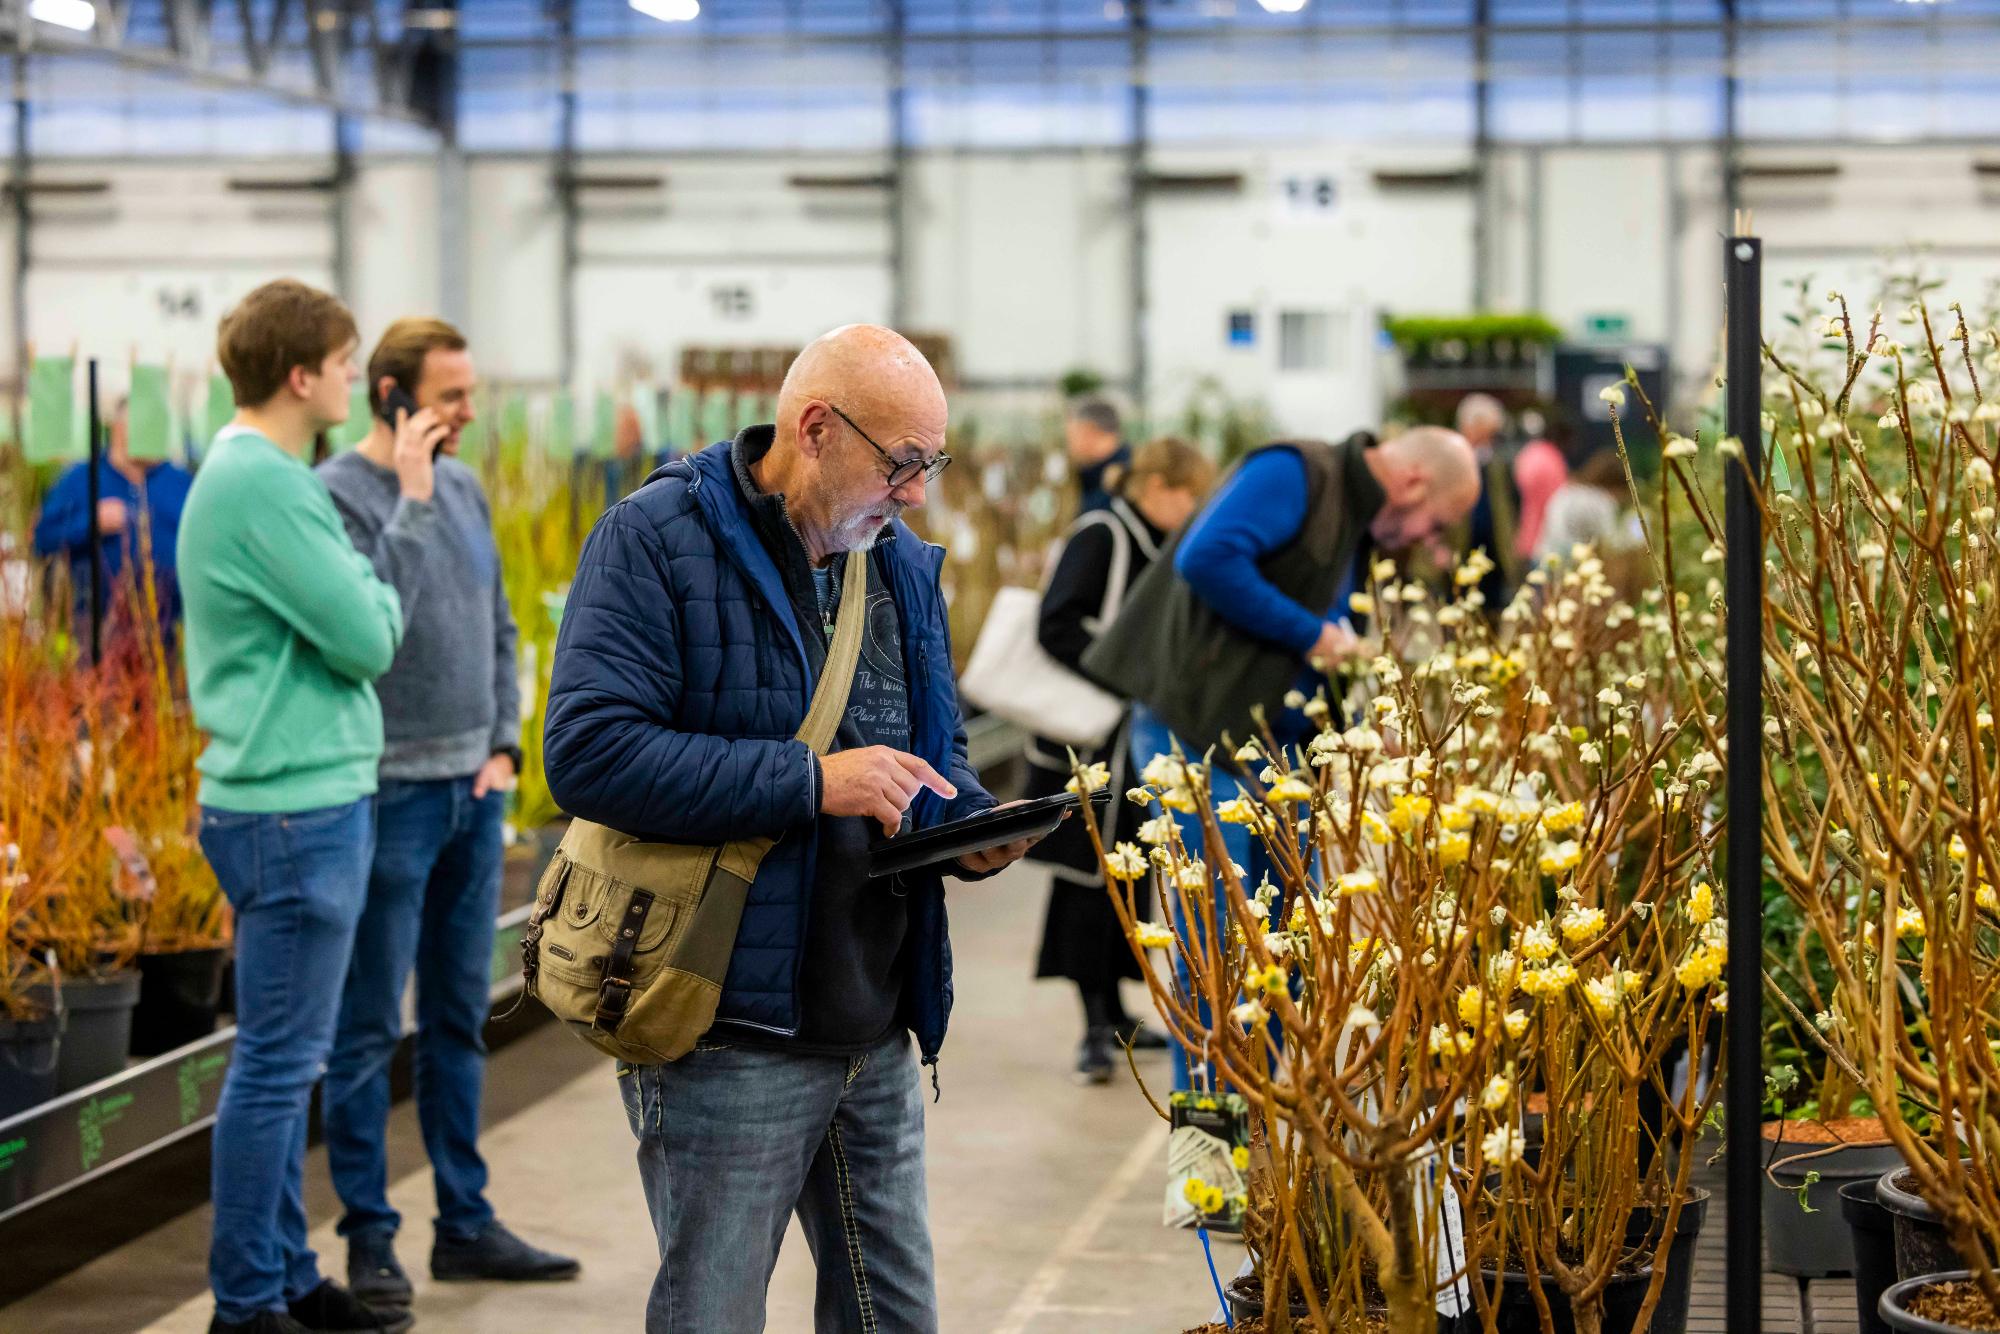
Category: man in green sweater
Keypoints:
(286, 627)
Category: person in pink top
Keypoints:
(1539, 471)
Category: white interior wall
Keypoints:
(1311, 233)
(397, 268)
(513, 249)
(1021, 258)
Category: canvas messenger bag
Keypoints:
(629, 940)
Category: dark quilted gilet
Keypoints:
(679, 682)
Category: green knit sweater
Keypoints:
(286, 626)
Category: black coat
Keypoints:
(1081, 937)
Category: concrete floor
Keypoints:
(1045, 1196)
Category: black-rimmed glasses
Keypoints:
(902, 473)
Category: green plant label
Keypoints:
(148, 420)
(52, 417)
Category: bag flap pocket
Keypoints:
(584, 900)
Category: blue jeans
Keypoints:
(297, 882)
(433, 893)
(1150, 737)
(732, 1140)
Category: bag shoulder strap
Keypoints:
(836, 679)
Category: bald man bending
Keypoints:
(695, 633)
(1253, 594)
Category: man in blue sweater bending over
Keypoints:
(1251, 601)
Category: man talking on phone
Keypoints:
(452, 724)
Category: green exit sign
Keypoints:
(1606, 326)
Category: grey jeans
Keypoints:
(733, 1140)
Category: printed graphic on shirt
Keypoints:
(879, 703)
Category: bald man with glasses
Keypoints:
(695, 632)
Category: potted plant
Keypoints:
(152, 822)
(1489, 884)
(69, 916)
(30, 1025)
(1878, 642)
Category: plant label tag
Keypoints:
(1454, 1288)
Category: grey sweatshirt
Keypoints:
(450, 699)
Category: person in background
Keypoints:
(452, 721)
(1097, 448)
(135, 497)
(1256, 590)
(1495, 517)
(1539, 471)
(1584, 510)
(695, 633)
(1081, 936)
(286, 627)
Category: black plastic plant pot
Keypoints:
(97, 1027)
(1670, 1313)
(1895, 1305)
(1623, 1297)
(1245, 1295)
(1814, 1241)
(1922, 1246)
(178, 998)
(29, 1050)
(1872, 1230)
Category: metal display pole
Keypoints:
(96, 530)
(1744, 580)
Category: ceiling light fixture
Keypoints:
(79, 15)
(669, 11)
(1282, 6)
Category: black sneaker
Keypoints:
(330, 1307)
(1141, 1037)
(1093, 1058)
(264, 1322)
(373, 1272)
(497, 1254)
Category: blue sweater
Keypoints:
(64, 527)
(1260, 510)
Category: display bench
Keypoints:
(102, 1127)
(83, 1173)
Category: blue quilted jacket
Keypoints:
(680, 681)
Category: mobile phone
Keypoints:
(397, 401)
(393, 402)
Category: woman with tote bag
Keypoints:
(1081, 937)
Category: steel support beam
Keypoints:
(1138, 34)
(1743, 573)
(345, 171)
(1482, 154)
(1293, 35)
(341, 43)
(454, 278)
(23, 230)
(1732, 141)
(566, 193)
(899, 166)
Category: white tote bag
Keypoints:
(1012, 676)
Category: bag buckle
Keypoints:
(612, 998)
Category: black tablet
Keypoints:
(988, 829)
